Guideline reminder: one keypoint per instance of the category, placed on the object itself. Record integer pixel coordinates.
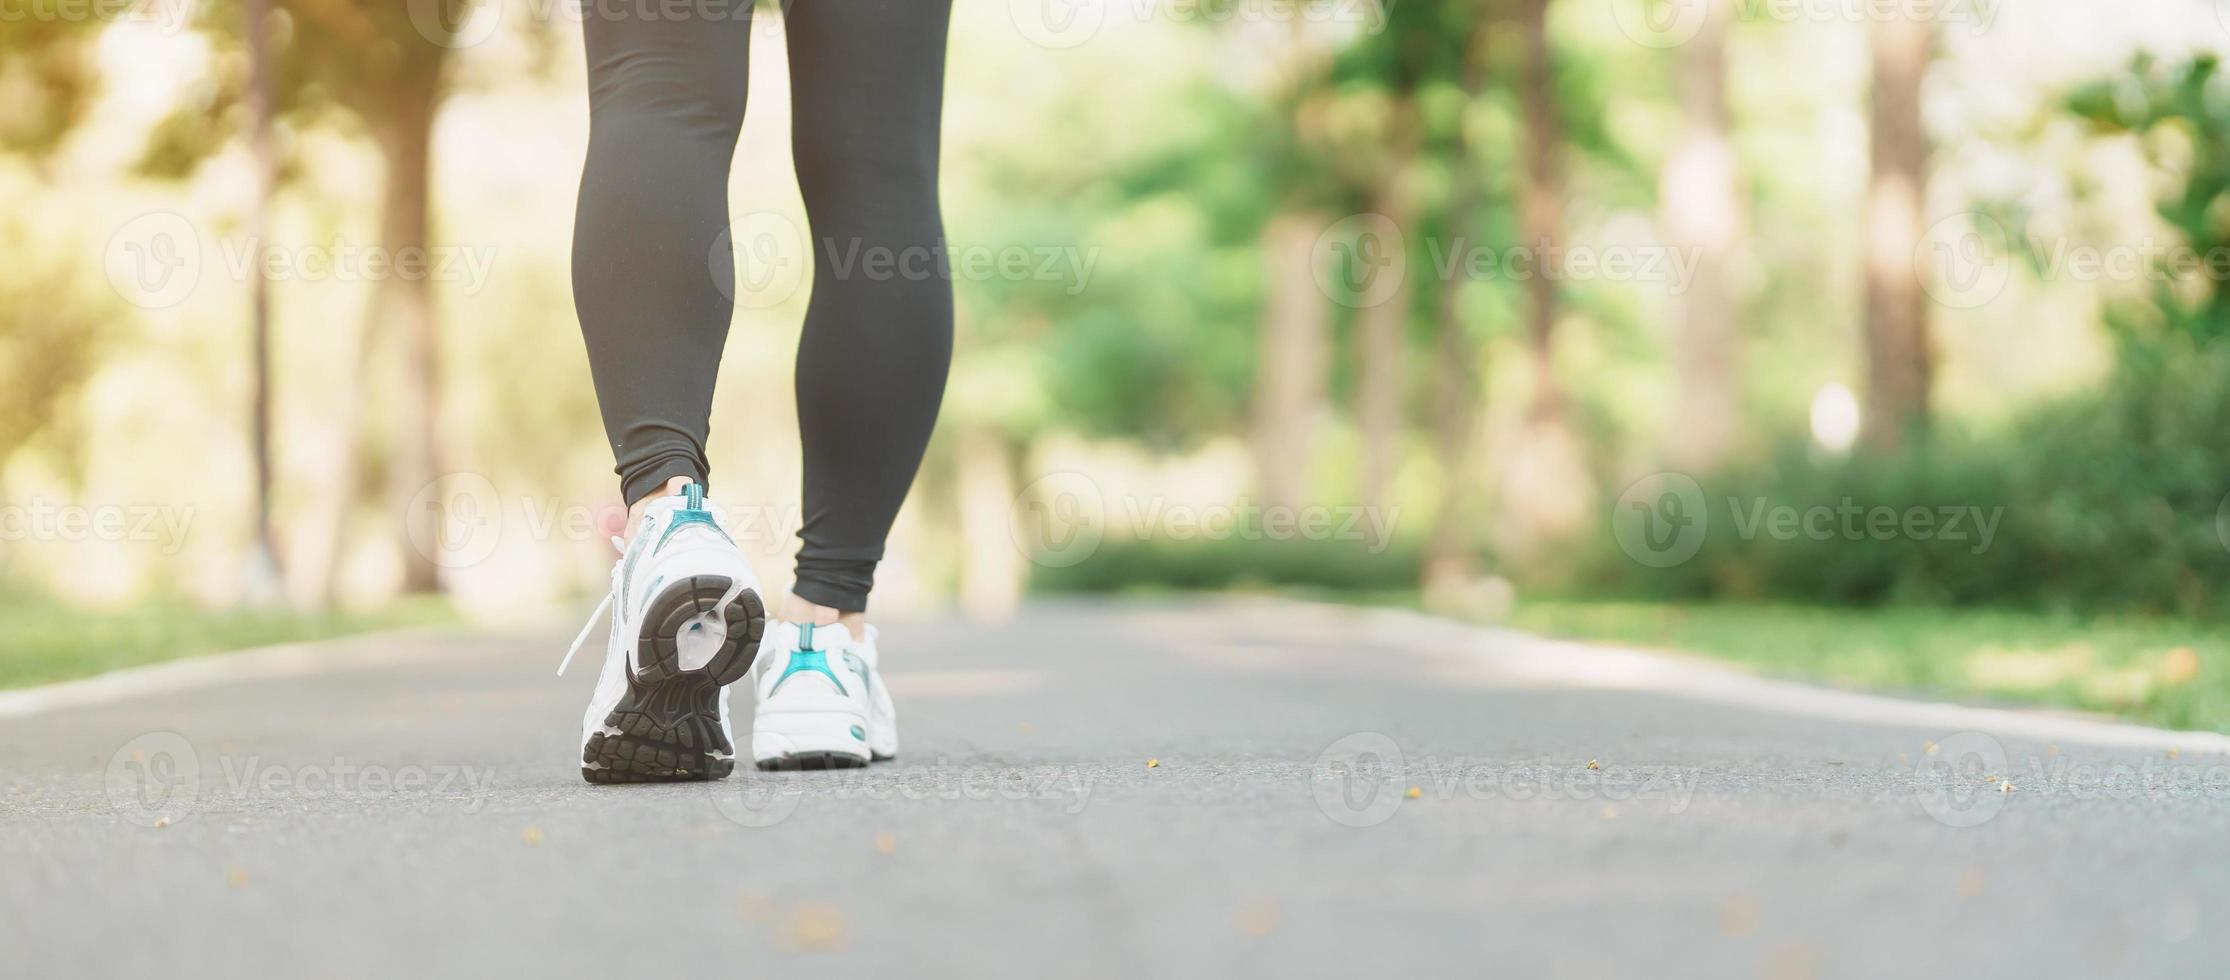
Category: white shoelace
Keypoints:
(601, 608)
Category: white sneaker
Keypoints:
(686, 622)
(822, 704)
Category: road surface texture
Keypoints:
(1191, 789)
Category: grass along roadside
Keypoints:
(46, 641)
(2164, 672)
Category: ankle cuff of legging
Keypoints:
(652, 478)
(840, 585)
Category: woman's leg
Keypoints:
(867, 82)
(666, 96)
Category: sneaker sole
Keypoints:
(666, 728)
(676, 610)
(809, 739)
(661, 733)
(812, 761)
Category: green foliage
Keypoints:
(48, 641)
(2108, 501)
(2164, 672)
(1348, 566)
(46, 75)
(52, 331)
(2183, 114)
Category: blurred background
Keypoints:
(1884, 343)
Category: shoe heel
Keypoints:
(679, 611)
(817, 739)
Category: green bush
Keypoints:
(2108, 501)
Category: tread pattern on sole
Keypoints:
(658, 645)
(796, 761)
(661, 733)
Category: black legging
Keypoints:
(652, 272)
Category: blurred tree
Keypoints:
(1698, 193)
(1545, 492)
(49, 335)
(1293, 360)
(1386, 168)
(264, 573)
(1542, 203)
(384, 68)
(1450, 549)
(1900, 361)
(48, 79)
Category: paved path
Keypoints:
(410, 807)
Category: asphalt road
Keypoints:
(1196, 789)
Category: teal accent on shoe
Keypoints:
(687, 516)
(627, 579)
(809, 660)
(693, 497)
(859, 733)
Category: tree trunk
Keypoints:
(1449, 548)
(1899, 361)
(1382, 328)
(1289, 384)
(1541, 207)
(1546, 492)
(404, 230)
(264, 575)
(992, 572)
(1703, 213)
